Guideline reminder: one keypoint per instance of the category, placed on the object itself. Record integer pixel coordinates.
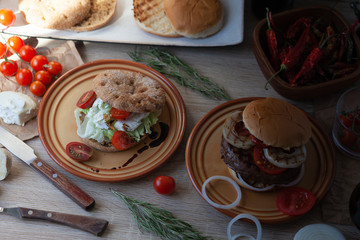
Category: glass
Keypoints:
(346, 129)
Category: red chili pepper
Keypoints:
(272, 42)
(297, 27)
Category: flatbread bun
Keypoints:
(150, 16)
(129, 91)
(101, 12)
(108, 148)
(55, 14)
(195, 18)
(277, 123)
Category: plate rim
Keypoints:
(177, 96)
(246, 100)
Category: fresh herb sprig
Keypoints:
(170, 65)
(151, 218)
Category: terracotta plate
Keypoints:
(203, 160)
(57, 126)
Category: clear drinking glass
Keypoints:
(346, 129)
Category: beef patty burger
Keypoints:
(119, 111)
(264, 145)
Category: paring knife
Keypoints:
(93, 225)
(26, 153)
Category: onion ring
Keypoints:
(216, 205)
(241, 216)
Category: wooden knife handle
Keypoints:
(62, 183)
(93, 225)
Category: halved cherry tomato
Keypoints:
(43, 76)
(86, 100)
(38, 62)
(24, 77)
(79, 151)
(347, 138)
(264, 165)
(15, 43)
(258, 142)
(27, 52)
(38, 88)
(54, 68)
(164, 185)
(121, 140)
(7, 17)
(295, 201)
(240, 129)
(119, 114)
(8, 68)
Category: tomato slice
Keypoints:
(258, 142)
(86, 100)
(121, 140)
(264, 165)
(79, 151)
(119, 114)
(295, 201)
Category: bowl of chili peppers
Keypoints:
(346, 129)
(306, 53)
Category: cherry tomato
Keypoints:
(27, 52)
(37, 88)
(347, 120)
(43, 76)
(7, 17)
(121, 140)
(54, 68)
(264, 165)
(3, 51)
(119, 114)
(38, 62)
(79, 151)
(241, 130)
(8, 68)
(15, 43)
(164, 185)
(24, 77)
(295, 201)
(86, 100)
(347, 138)
(258, 142)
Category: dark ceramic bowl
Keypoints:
(354, 206)
(282, 22)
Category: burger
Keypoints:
(119, 111)
(264, 144)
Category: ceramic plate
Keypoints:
(57, 126)
(122, 28)
(203, 160)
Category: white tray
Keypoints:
(123, 29)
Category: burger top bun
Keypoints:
(277, 123)
(195, 18)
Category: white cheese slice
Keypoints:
(16, 108)
(131, 123)
(5, 163)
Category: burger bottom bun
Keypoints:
(265, 187)
(110, 147)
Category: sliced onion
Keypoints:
(283, 159)
(235, 185)
(297, 180)
(242, 216)
(319, 231)
(255, 188)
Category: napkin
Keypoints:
(335, 205)
(67, 55)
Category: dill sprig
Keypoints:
(151, 218)
(170, 65)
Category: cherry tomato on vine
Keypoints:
(15, 43)
(119, 114)
(3, 51)
(24, 77)
(38, 62)
(54, 68)
(79, 151)
(164, 185)
(43, 76)
(8, 68)
(27, 52)
(37, 88)
(7, 17)
(121, 140)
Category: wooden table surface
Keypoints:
(233, 67)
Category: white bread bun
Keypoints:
(150, 17)
(55, 14)
(195, 18)
(277, 123)
(101, 12)
(5, 163)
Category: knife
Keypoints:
(26, 154)
(93, 225)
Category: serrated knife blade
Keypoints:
(27, 154)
